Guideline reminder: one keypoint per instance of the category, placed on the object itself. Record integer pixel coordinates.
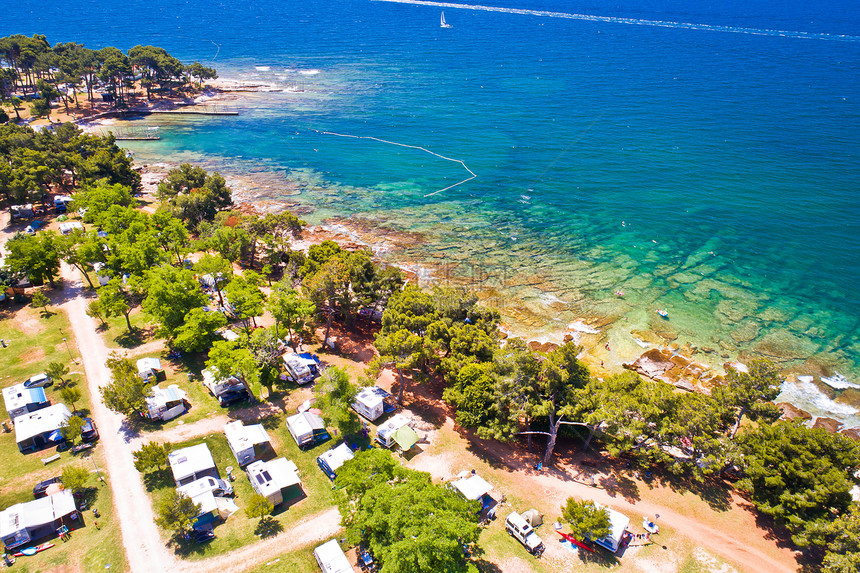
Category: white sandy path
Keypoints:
(145, 550)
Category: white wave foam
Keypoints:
(839, 382)
(641, 343)
(309, 72)
(262, 68)
(579, 326)
(636, 21)
(807, 396)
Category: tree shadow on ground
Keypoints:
(716, 493)
(131, 338)
(268, 527)
(185, 547)
(486, 566)
(158, 479)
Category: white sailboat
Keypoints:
(444, 23)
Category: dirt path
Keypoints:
(144, 548)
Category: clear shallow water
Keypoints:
(707, 164)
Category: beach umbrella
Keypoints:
(55, 436)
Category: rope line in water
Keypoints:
(472, 173)
(635, 21)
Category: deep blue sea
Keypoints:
(701, 157)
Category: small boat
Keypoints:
(33, 550)
(619, 293)
(662, 312)
(445, 24)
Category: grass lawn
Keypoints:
(238, 529)
(116, 330)
(301, 561)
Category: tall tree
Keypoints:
(229, 359)
(586, 519)
(800, 476)
(171, 294)
(199, 330)
(175, 512)
(151, 455)
(115, 301)
(289, 309)
(127, 392)
(35, 256)
(334, 396)
(247, 300)
(219, 269)
(751, 393)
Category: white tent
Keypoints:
(331, 558)
(248, 443)
(473, 487)
(192, 463)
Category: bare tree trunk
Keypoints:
(327, 327)
(528, 436)
(400, 391)
(550, 445)
(738, 423)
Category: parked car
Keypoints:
(232, 397)
(40, 488)
(518, 528)
(38, 381)
(89, 432)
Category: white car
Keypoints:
(38, 381)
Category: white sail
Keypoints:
(444, 23)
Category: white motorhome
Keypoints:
(518, 528)
(191, 464)
(219, 387)
(166, 403)
(618, 523)
(300, 368)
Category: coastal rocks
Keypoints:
(828, 424)
(790, 412)
(673, 368)
(853, 433)
(544, 347)
(648, 336)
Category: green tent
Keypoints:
(405, 437)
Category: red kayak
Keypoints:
(33, 550)
(575, 542)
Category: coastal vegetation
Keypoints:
(36, 70)
(500, 388)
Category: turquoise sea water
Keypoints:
(702, 157)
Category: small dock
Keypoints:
(188, 110)
(132, 133)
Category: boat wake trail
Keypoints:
(471, 173)
(636, 21)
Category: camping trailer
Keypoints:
(307, 429)
(331, 460)
(385, 434)
(149, 367)
(220, 387)
(331, 558)
(166, 403)
(276, 480)
(69, 227)
(191, 464)
(301, 368)
(20, 400)
(41, 428)
(25, 522)
(248, 443)
(370, 402)
(618, 523)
